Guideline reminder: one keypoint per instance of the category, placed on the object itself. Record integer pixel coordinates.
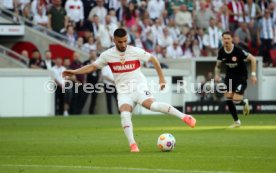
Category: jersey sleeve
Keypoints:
(142, 54)
(101, 61)
(105, 71)
(243, 54)
(219, 58)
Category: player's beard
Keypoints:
(227, 44)
(121, 49)
(230, 45)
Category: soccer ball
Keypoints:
(166, 142)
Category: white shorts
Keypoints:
(138, 96)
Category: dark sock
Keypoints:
(232, 109)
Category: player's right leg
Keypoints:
(126, 104)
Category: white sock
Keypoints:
(167, 109)
(65, 113)
(127, 126)
(238, 122)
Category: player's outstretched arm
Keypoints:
(159, 71)
(252, 60)
(83, 70)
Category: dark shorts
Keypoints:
(236, 86)
(68, 95)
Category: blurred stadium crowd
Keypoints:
(169, 29)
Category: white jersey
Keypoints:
(126, 67)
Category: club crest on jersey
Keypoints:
(234, 58)
(122, 59)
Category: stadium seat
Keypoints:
(81, 33)
(253, 50)
(273, 57)
(60, 51)
(24, 45)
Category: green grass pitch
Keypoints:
(88, 144)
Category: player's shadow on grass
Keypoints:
(212, 129)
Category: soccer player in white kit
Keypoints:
(124, 61)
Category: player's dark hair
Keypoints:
(35, 50)
(226, 33)
(120, 32)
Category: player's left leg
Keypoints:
(153, 105)
(238, 97)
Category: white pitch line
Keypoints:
(112, 168)
(194, 156)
